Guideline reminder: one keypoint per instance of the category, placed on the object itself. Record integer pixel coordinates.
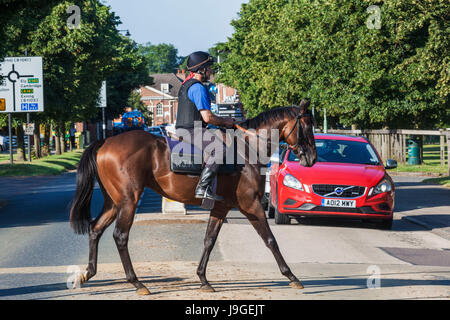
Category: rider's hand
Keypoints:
(229, 122)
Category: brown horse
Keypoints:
(127, 163)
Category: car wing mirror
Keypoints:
(390, 164)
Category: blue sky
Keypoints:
(188, 25)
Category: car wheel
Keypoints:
(270, 210)
(281, 218)
(385, 224)
(264, 201)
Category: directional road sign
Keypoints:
(22, 89)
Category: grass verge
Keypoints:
(431, 162)
(51, 165)
(445, 181)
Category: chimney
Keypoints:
(181, 74)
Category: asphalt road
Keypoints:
(332, 257)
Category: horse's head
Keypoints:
(299, 135)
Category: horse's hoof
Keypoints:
(80, 280)
(296, 285)
(143, 291)
(207, 288)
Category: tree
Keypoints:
(396, 76)
(161, 58)
(134, 101)
(131, 72)
(18, 20)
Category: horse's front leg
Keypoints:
(256, 215)
(215, 222)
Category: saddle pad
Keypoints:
(186, 158)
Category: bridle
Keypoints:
(298, 147)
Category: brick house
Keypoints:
(161, 98)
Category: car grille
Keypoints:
(329, 190)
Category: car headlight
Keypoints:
(292, 182)
(384, 186)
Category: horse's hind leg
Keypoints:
(121, 233)
(215, 222)
(98, 226)
(258, 219)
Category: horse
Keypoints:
(125, 164)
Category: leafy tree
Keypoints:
(18, 20)
(131, 72)
(161, 58)
(134, 101)
(396, 76)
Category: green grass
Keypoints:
(431, 162)
(445, 181)
(51, 165)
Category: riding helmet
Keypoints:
(199, 60)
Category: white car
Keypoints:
(2, 143)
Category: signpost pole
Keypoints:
(28, 121)
(10, 139)
(29, 138)
(104, 123)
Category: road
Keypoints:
(335, 259)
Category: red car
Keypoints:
(348, 180)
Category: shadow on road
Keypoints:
(312, 286)
(416, 195)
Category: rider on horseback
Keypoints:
(194, 105)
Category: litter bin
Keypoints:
(413, 152)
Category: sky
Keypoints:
(194, 25)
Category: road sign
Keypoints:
(102, 102)
(22, 89)
(29, 129)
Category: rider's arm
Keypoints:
(200, 96)
(214, 120)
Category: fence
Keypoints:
(392, 144)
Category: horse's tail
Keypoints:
(80, 212)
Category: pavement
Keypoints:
(427, 205)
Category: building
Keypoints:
(226, 94)
(161, 98)
(227, 103)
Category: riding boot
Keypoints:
(204, 186)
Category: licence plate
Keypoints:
(339, 203)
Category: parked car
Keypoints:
(348, 180)
(14, 142)
(2, 143)
(156, 130)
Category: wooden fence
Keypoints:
(392, 144)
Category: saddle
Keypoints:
(188, 159)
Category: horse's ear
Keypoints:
(304, 105)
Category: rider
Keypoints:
(194, 104)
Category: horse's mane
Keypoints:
(269, 116)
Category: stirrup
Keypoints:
(208, 195)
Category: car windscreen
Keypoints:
(343, 151)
